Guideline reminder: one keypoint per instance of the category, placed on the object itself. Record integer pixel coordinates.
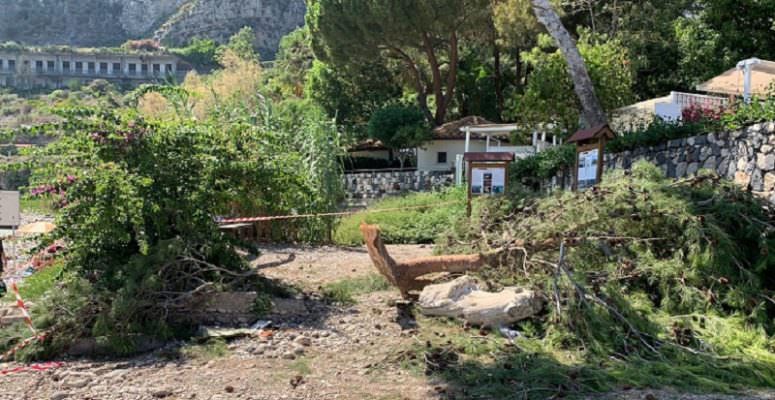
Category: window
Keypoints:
(103, 68)
(144, 69)
(1, 64)
(441, 157)
(78, 66)
(91, 67)
(50, 66)
(169, 67)
(116, 68)
(12, 65)
(156, 68)
(39, 66)
(66, 66)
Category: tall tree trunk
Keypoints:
(496, 54)
(592, 111)
(439, 86)
(518, 70)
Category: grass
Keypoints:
(345, 290)
(301, 367)
(537, 366)
(210, 350)
(37, 205)
(408, 224)
(36, 285)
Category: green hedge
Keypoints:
(408, 224)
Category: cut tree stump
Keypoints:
(461, 298)
(405, 275)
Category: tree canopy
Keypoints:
(423, 36)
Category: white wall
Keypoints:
(427, 156)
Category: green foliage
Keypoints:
(415, 218)
(549, 95)
(534, 170)
(345, 290)
(347, 33)
(399, 127)
(351, 95)
(209, 350)
(36, 285)
(242, 44)
(202, 54)
(140, 200)
(294, 60)
(659, 131)
(685, 266)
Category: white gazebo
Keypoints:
(495, 135)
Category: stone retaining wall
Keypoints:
(375, 185)
(745, 156)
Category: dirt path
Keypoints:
(318, 351)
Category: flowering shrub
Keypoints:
(698, 113)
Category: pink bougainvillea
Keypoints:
(699, 112)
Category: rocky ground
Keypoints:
(314, 351)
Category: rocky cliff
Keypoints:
(95, 23)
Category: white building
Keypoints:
(452, 140)
(29, 69)
(751, 77)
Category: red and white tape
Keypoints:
(227, 221)
(27, 321)
(23, 307)
(34, 368)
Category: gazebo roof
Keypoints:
(732, 81)
(453, 130)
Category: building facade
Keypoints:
(28, 70)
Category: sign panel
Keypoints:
(488, 181)
(587, 173)
(10, 211)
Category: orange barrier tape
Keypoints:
(336, 214)
(20, 304)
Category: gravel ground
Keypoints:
(315, 351)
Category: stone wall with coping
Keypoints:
(746, 156)
(365, 186)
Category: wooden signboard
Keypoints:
(487, 174)
(590, 155)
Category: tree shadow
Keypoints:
(483, 365)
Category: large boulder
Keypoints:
(462, 298)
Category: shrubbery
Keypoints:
(534, 170)
(662, 281)
(696, 121)
(139, 201)
(414, 218)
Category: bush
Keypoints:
(406, 223)
(139, 202)
(658, 132)
(696, 121)
(673, 280)
(534, 170)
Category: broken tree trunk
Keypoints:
(461, 298)
(404, 275)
